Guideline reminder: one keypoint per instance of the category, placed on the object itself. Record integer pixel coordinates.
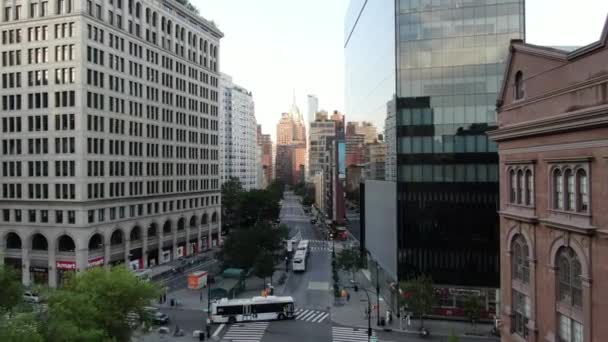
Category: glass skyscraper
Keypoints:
(429, 71)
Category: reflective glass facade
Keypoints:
(450, 61)
(428, 72)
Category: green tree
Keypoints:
(21, 327)
(276, 189)
(263, 266)
(418, 296)
(94, 304)
(257, 206)
(243, 246)
(231, 197)
(10, 289)
(472, 309)
(350, 260)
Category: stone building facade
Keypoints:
(110, 147)
(553, 147)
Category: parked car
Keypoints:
(160, 318)
(313, 221)
(30, 297)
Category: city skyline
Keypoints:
(315, 64)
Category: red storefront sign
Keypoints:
(93, 262)
(66, 265)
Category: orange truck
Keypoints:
(197, 280)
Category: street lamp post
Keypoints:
(377, 295)
(369, 315)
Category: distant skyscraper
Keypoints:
(313, 107)
(239, 140)
(291, 146)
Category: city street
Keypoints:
(311, 291)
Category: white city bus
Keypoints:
(298, 263)
(254, 309)
(303, 246)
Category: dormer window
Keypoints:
(519, 86)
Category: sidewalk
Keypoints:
(352, 313)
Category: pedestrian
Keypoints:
(201, 296)
(348, 296)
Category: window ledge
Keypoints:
(573, 222)
(520, 213)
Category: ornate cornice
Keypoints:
(586, 118)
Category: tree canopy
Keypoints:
(93, 305)
(10, 289)
(350, 260)
(243, 246)
(418, 295)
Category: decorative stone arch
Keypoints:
(39, 241)
(181, 223)
(154, 16)
(95, 241)
(193, 221)
(204, 218)
(167, 227)
(515, 230)
(152, 227)
(214, 217)
(137, 9)
(117, 237)
(62, 243)
(15, 242)
(136, 233)
(566, 240)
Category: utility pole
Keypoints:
(377, 295)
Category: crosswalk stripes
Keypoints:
(312, 316)
(319, 246)
(344, 334)
(246, 332)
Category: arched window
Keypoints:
(137, 9)
(520, 187)
(529, 188)
(570, 283)
(558, 190)
(569, 293)
(513, 186)
(519, 85)
(520, 275)
(570, 190)
(582, 190)
(520, 260)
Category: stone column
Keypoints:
(160, 246)
(127, 251)
(174, 253)
(82, 258)
(52, 264)
(106, 254)
(144, 247)
(199, 236)
(25, 264)
(209, 231)
(2, 252)
(188, 248)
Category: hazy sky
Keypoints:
(273, 47)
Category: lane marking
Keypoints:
(218, 330)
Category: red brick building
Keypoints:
(553, 146)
